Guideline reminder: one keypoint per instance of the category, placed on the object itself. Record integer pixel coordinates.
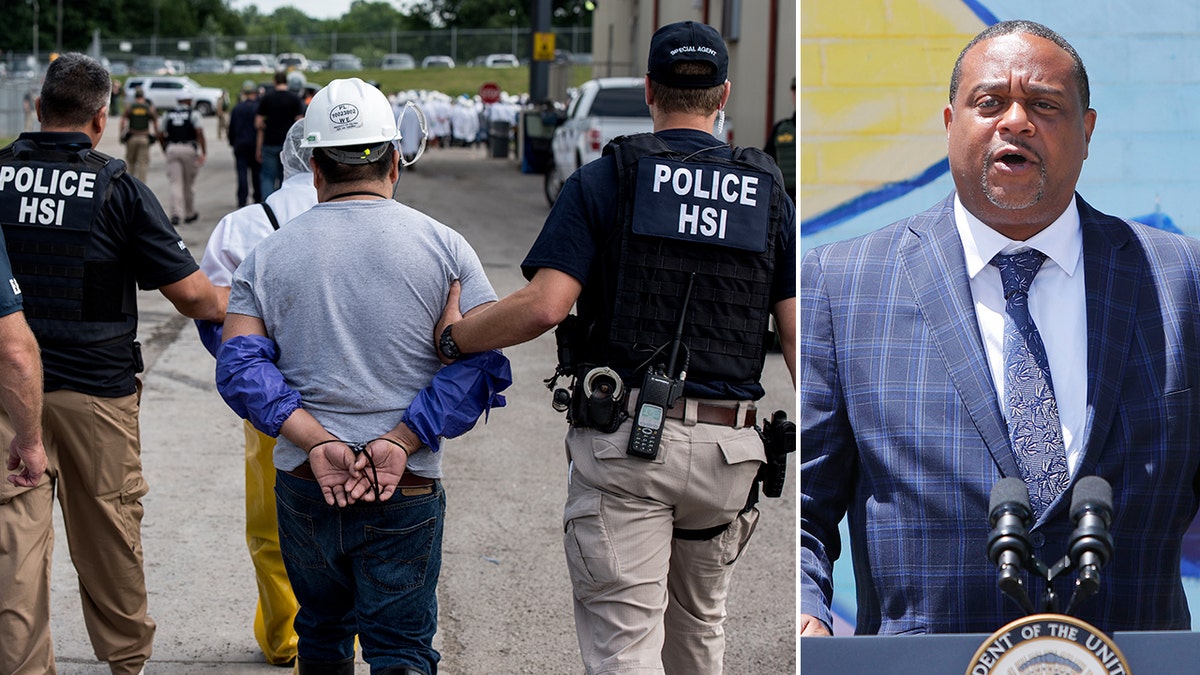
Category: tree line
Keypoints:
(189, 18)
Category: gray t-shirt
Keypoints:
(351, 292)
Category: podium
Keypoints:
(1148, 653)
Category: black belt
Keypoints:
(410, 485)
(700, 535)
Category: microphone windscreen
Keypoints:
(1009, 490)
(1091, 491)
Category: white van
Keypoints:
(252, 63)
(501, 61)
(287, 61)
(398, 62)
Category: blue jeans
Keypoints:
(366, 569)
(271, 173)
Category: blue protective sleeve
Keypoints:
(457, 396)
(252, 385)
(210, 335)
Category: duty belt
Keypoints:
(730, 414)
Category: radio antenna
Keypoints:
(687, 296)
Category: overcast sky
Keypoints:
(317, 9)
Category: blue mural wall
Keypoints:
(859, 172)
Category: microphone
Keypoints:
(1009, 514)
(1091, 542)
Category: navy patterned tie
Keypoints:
(1033, 424)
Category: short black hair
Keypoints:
(75, 89)
(1030, 28)
(280, 77)
(336, 172)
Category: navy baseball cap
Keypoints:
(687, 41)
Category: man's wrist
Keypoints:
(447, 347)
(403, 448)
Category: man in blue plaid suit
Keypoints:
(904, 427)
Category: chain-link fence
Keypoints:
(20, 73)
(462, 45)
(16, 106)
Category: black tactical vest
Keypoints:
(139, 116)
(49, 201)
(706, 220)
(178, 123)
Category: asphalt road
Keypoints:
(504, 595)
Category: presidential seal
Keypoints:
(1048, 644)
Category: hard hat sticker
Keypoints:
(344, 116)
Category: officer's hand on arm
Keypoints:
(811, 626)
(519, 317)
(450, 314)
(195, 297)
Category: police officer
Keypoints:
(139, 123)
(183, 141)
(781, 146)
(83, 236)
(679, 272)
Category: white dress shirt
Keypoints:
(1056, 301)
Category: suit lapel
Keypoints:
(1112, 276)
(933, 260)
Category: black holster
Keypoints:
(597, 399)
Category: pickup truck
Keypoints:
(599, 111)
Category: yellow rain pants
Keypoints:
(277, 604)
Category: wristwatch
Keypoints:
(446, 345)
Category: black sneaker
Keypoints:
(174, 220)
(192, 218)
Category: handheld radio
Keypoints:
(658, 393)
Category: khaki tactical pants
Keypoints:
(181, 172)
(95, 467)
(646, 601)
(137, 155)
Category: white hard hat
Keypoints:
(296, 80)
(348, 114)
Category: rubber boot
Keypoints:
(310, 667)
